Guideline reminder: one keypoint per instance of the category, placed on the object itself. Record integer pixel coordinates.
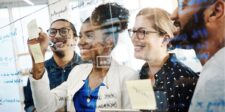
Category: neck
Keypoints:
(155, 65)
(62, 62)
(211, 47)
(98, 67)
(98, 71)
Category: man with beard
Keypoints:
(201, 26)
(62, 35)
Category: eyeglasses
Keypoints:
(62, 31)
(140, 34)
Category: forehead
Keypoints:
(86, 27)
(60, 24)
(143, 21)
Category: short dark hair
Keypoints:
(71, 26)
(87, 20)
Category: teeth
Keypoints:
(83, 50)
(138, 48)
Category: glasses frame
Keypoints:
(59, 31)
(137, 33)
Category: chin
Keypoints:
(85, 58)
(138, 56)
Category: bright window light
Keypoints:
(29, 2)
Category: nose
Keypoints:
(174, 15)
(82, 41)
(57, 35)
(134, 38)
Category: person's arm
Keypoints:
(44, 99)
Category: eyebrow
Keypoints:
(143, 28)
(89, 31)
(61, 27)
(140, 28)
(85, 32)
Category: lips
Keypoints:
(59, 44)
(138, 48)
(84, 50)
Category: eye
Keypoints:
(52, 31)
(90, 35)
(63, 31)
(142, 32)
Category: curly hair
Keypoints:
(111, 13)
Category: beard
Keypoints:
(193, 35)
(60, 54)
(56, 51)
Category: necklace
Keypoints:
(88, 99)
(89, 92)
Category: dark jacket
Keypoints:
(174, 85)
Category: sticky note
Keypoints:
(36, 52)
(33, 30)
(141, 94)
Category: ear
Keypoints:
(166, 40)
(215, 11)
(109, 42)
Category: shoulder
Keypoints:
(180, 68)
(217, 61)
(125, 72)
(82, 67)
(49, 62)
(80, 71)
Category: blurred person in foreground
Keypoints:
(201, 26)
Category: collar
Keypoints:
(74, 61)
(171, 61)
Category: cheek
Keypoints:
(96, 48)
(184, 17)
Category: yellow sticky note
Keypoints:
(33, 30)
(36, 52)
(141, 94)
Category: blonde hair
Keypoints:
(160, 18)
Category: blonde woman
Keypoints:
(173, 82)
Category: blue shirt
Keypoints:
(56, 74)
(85, 99)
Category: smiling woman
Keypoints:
(89, 85)
(173, 82)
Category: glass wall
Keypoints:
(15, 61)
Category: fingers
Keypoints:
(43, 36)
